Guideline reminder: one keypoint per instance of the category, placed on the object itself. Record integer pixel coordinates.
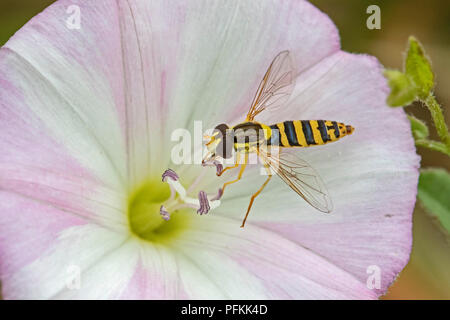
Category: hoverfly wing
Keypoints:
(276, 86)
(301, 177)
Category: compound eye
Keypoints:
(222, 129)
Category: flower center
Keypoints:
(161, 209)
(144, 215)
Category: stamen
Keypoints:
(204, 203)
(179, 197)
(219, 166)
(169, 173)
(164, 213)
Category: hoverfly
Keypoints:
(246, 137)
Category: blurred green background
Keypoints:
(427, 276)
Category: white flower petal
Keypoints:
(62, 141)
(219, 260)
(67, 88)
(76, 248)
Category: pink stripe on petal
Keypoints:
(155, 276)
(34, 164)
(145, 285)
(27, 230)
(73, 82)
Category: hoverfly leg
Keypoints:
(269, 176)
(231, 167)
(241, 172)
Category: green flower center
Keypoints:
(144, 216)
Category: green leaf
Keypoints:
(418, 68)
(434, 193)
(403, 89)
(433, 145)
(419, 128)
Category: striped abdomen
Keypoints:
(305, 133)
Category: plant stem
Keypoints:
(439, 121)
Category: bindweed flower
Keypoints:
(86, 120)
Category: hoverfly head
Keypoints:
(221, 143)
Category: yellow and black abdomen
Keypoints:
(306, 133)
